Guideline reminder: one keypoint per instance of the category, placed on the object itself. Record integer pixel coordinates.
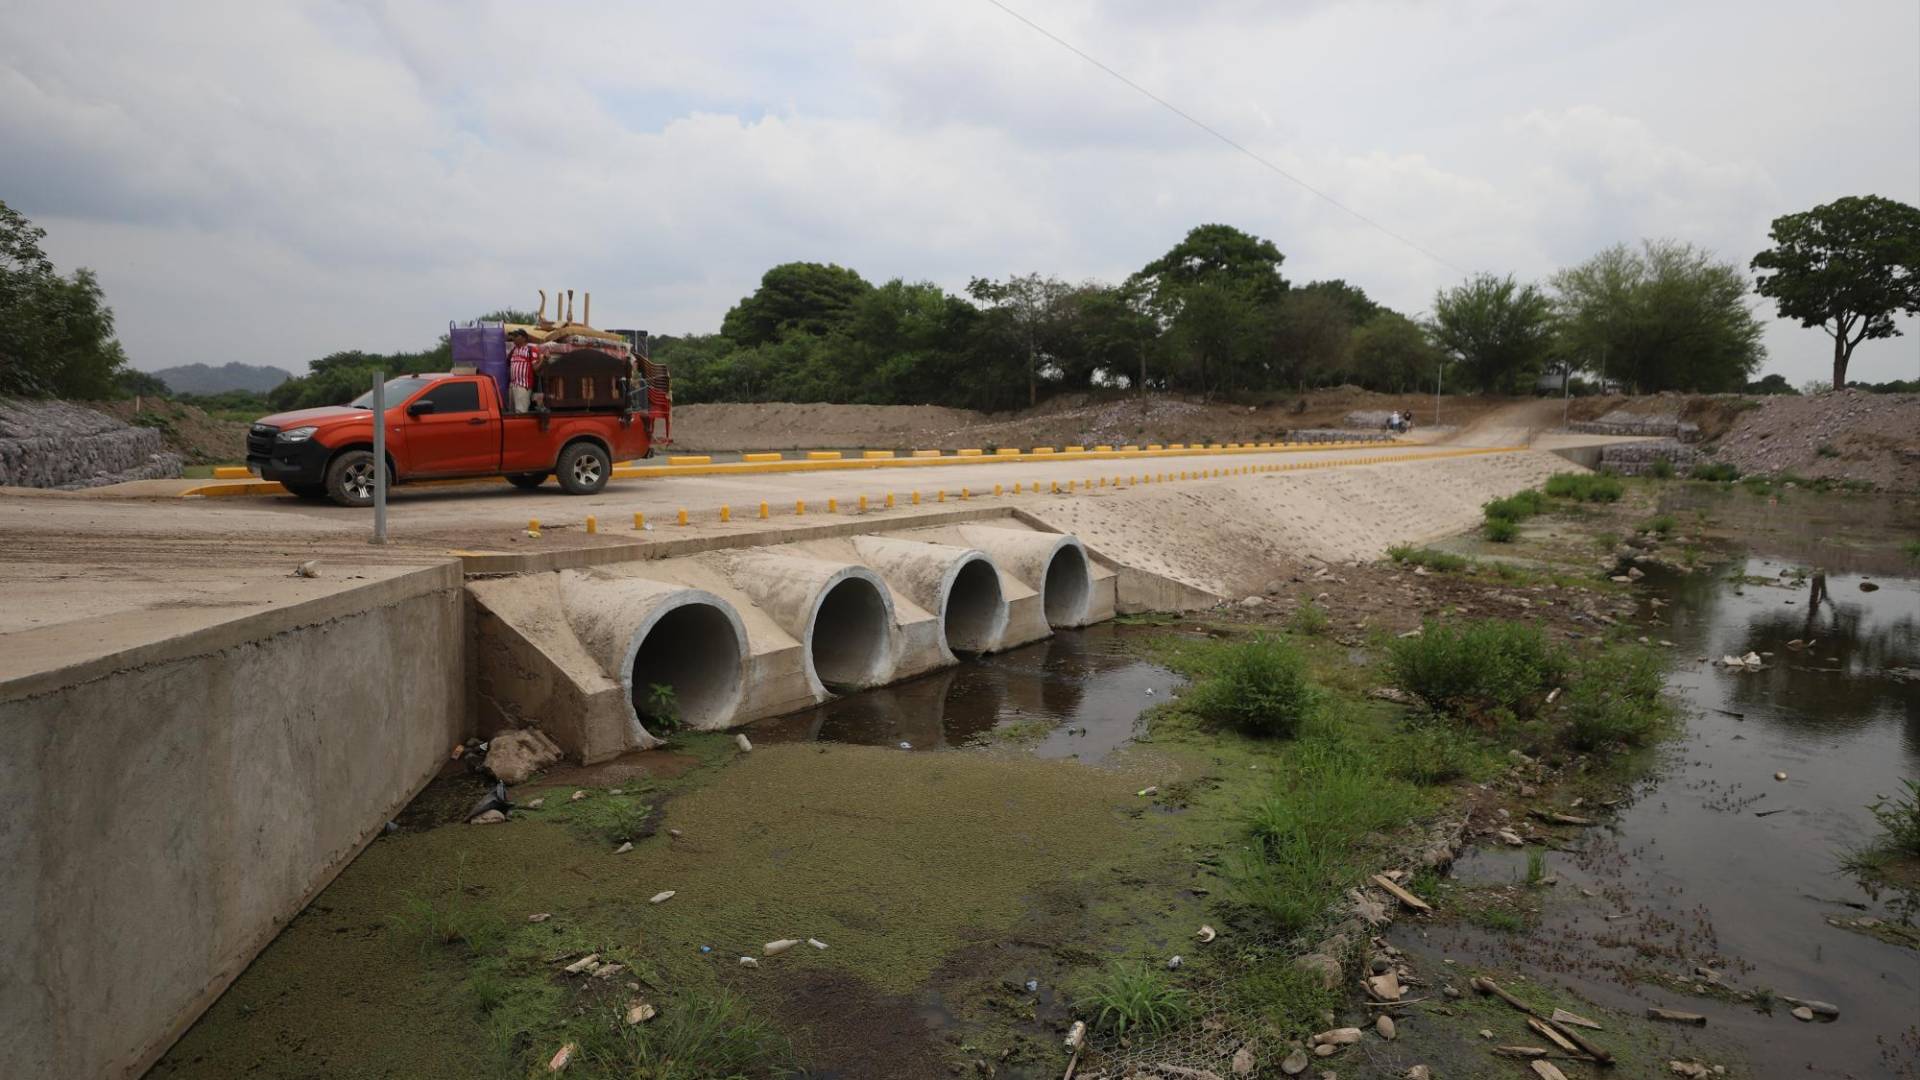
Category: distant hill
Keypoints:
(201, 379)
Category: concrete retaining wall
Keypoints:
(171, 804)
(52, 444)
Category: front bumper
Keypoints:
(291, 463)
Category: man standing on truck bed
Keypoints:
(520, 364)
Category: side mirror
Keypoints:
(420, 408)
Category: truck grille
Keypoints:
(260, 440)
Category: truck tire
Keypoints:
(527, 481)
(583, 469)
(306, 491)
(350, 478)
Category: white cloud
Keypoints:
(353, 175)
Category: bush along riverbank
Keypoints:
(1213, 897)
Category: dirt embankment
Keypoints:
(1070, 419)
(199, 439)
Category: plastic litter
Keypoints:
(906, 746)
(775, 948)
(1033, 985)
(494, 800)
(816, 943)
(661, 897)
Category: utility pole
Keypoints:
(379, 457)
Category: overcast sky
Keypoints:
(270, 182)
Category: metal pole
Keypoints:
(379, 457)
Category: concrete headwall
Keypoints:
(170, 804)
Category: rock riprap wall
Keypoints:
(52, 444)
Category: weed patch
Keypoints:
(1407, 555)
(1718, 472)
(696, 1036)
(1474, 669)
(1311, 619)
(1616, 699)
(1585, 487)
(1130, 997)
(1258, 686)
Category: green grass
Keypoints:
(1478, 668)
(1516, 507)
(1585, 487)
(455, 913)
(1132, 998)
(1407, 555)
(608, 817)
(1719, 472)
(1536, 867)
(1257, 686)
(1432, 753)
(1827, 450)
(1287, 999)
(1912, 550)
(1899, 818)
(1661, 525)
(1500, 530)
(696, 1036)
(1498, 919)
(1660, 468)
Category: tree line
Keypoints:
(1214, 315)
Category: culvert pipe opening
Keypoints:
(849, 637)
(976, 612)
(687, 669)
(1068, 588)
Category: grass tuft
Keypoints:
(1258, 686)
(1472, 669)
(696, 1036)
(1311, 619)
(1500, 530)
(1131, 998)
(1585, 487)
(1718, 472)
(1407, 555)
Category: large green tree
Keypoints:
(1216, 293)
(1036, 307)
(56, 333)
(1847, 267)
(1666, 316)
(802, 297)
(1393, 354)
(1498, 330)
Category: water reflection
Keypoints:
(1077, 694)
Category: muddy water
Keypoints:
(1078, 694)
(1716, 863)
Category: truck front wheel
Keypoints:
(350, 478)
(526, 481)
(306, 491)
(583, 469)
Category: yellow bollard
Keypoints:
(593, 525)
(683, 516)
(941, 496)
(763, 511)
(1056, 487)
(1103, 482)
(863, 504)
(726, 513)
(833, 506)
(889, 500)
(639, 520)
(998, 490)
(799, 507)
(1016, 487)
(1070, 486)
(965, 494)
(915, 500)
(533, 527)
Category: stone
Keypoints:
(1295, 1063)
(491, 817)
(1254, 602)
(540, 917)
(1419, 1072)
(1242, 1062)
(1323, 966)
(1384, 1025)
(623, 848)
(1337, 1037)
(1326, 1050)
(640, 1012)
(514, 757)
(53, 444)
(1803, 1014)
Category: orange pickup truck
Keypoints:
(446, 426)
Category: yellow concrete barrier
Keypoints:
(1130, 448)
(639, 520)
(799, 507)
(889, 500)
(876, 455)
(1174, 446)
(726, 513)
(533, 528)
(1006, 451)
(926, 453)
(1105, 449)
(916, 499)
(683, 517)
(690, 459)
(232, 472)
(1155, 446)
(863, 504)
(970, 452)
(833, 506)
(760, 457)
(763, 511)
(1076, 449)
(823, 455)
(1036, 450)
(593, 525)
(998, 490)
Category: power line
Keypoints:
(1203, 126)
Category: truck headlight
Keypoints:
(299, 434)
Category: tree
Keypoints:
(56, 333)
(1035, 305)
(1499, 331)
(1772, 384)
(1216, 294)
(1848, 267)
(1359, 307)
(1311, 328)
(1392, 353)
(796, 297)
(1665, 317)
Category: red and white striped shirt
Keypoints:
(520, 366)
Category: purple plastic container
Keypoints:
(481, 346)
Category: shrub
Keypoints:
(1519, 506)
(1258, 686)
(1130, 998)
(1662, 525)
(1585, 487)
(1311, 619)
(1408, 555)
(1660, 468)
(1827, 450)
(1899, 818)
(1472, 668)
(1616, 699)
(1719, 472)
(1500, 530)
(661, 709)
(1431, 754)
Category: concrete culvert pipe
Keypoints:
(1053, 564)
(961, 586)
(648, 633)
(840, 612)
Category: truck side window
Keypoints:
(454, 397)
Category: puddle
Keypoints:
(1078, 694)
(1717, 863)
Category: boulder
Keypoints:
(513, 757)
(1323, 966)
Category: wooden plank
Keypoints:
(1411, 901)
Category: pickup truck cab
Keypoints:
(444, 427)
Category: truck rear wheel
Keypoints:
(527, 480)
(350, 478)
(583, 469)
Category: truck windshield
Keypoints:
(398, 391)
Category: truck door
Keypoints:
(450, 433)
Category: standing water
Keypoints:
(1719, 870)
